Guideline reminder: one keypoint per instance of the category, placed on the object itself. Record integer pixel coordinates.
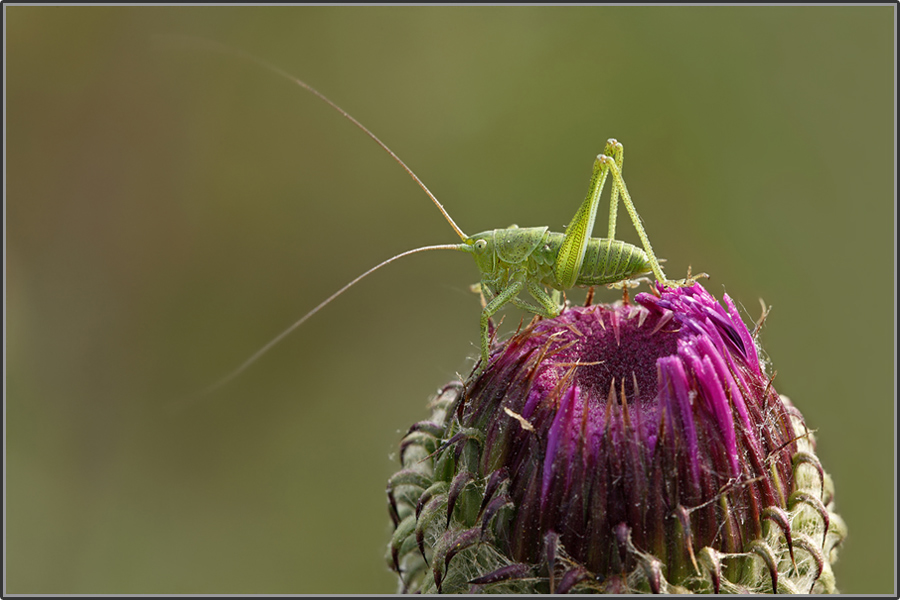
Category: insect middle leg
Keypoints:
(548, 307)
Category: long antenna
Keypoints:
(323, 304)
(217, 47)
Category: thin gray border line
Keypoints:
(453, 4)
(5, 528)
(7, 4)
(895, 300)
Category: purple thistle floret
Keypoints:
(621, 447)
(639, 412)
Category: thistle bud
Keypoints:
(616, 448)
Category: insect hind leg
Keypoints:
(615, 150)
(614, 164)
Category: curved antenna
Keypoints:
(256, 356)
(215, 46)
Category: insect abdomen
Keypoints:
(609, 261)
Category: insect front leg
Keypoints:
(505, 295)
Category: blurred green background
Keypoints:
(171, 209)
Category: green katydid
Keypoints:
(515, 259)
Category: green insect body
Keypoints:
(516, 260)
(512, 260)
(605, 261)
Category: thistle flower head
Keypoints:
(617, 448)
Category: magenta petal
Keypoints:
(634, 410)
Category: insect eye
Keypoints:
(480, 245)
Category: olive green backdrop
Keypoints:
(171, 209)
